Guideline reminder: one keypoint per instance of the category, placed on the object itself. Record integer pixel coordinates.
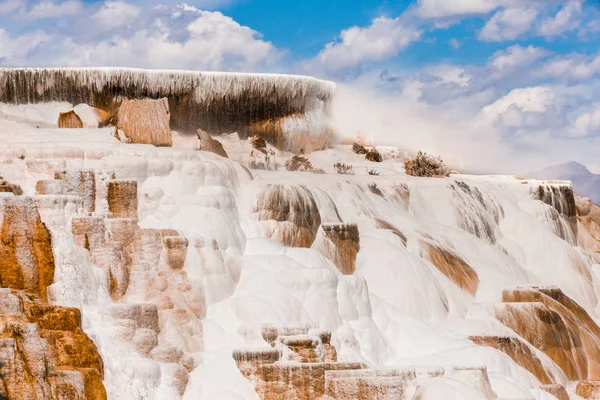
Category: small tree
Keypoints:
(426, 166)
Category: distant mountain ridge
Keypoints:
(585, 183)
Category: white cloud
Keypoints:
(508, 24)
(114, 14)
(8, 7)
(214, 42)
(535, 99)
(451, 8)
(587, 123)
(47, 10)
(455, 43)
(515, 57)
(567, 19)
(16, 50)
(381, 40)
(121, 34)
(572, 67)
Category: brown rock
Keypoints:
(588, 389)
(578, 351)
(290, 215)
(176, 250)
(341, 244)
(305, 348)
(548, 332)
(50, 317)
(69, 119)
(557, 390)
(73, 350)
(207, 143)
(104, 118)
(146, 121)
(26, 258)
(122, 199)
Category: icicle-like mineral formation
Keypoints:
(213, 101)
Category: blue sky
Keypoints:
(506, 84)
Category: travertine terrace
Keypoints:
(147, 265)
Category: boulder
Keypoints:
(207, 143)
(146, 121)
(69, 119)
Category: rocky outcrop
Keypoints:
(556, 390)
(69, 119)
(295, 368)
(122, 199)
(44, 353)
(207, 143)
(299, 133)
(215, 102)
(288, 214)
(145, 268)
(145, 121)
(341, 243)
(93, 117)
(556, 325)
(6, 187)
(588, 389)
(588, 216)
(26, 258)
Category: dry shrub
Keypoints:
(343, 169)
(358, 149)
(425, 165)
(298, 163)
(374, 156)
(373, 172)
(70, 119)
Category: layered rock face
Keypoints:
(370, 285)
(341, 244)
(302, 364)
(288, 214)
(26, 258)
(44, 353)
